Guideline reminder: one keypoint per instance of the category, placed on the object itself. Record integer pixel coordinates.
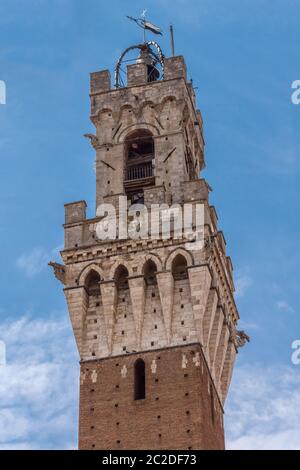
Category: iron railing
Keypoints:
(138, 172)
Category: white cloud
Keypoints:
(39, 384)
(263, 408)
(242, 284)
(35, 261)
(247, 325)
(284, 306)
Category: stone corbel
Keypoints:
(238, 337)
(93, 139)
(241, 338)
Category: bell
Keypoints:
(153, 73)
(146, 58)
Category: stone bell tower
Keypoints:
(154, 322)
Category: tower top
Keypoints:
(148, 53)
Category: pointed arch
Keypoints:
(149, 272)
(118, 263)
(179, 267)
(121, 277)
(92, 283)
(156, 260)
(85, 272)
(182, 251)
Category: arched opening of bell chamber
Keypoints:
(139, 164)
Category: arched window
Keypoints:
(139, 380)
(179, 268)
(139, 146)
(139, 163)
(149, 272)
(92, 284)
(121, 278)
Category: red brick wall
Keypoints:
(176, 413)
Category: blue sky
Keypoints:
(243, 58)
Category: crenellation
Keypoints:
(175, 68)
(75, 212)
(100, 81)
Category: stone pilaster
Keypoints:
(137, 294)
(200, 281)
(227, 369)
(215, 337)
(208, 319)
(77, 301)
(221, 353)
(109, 301)
(165, 282)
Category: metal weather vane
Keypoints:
(145, 25)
